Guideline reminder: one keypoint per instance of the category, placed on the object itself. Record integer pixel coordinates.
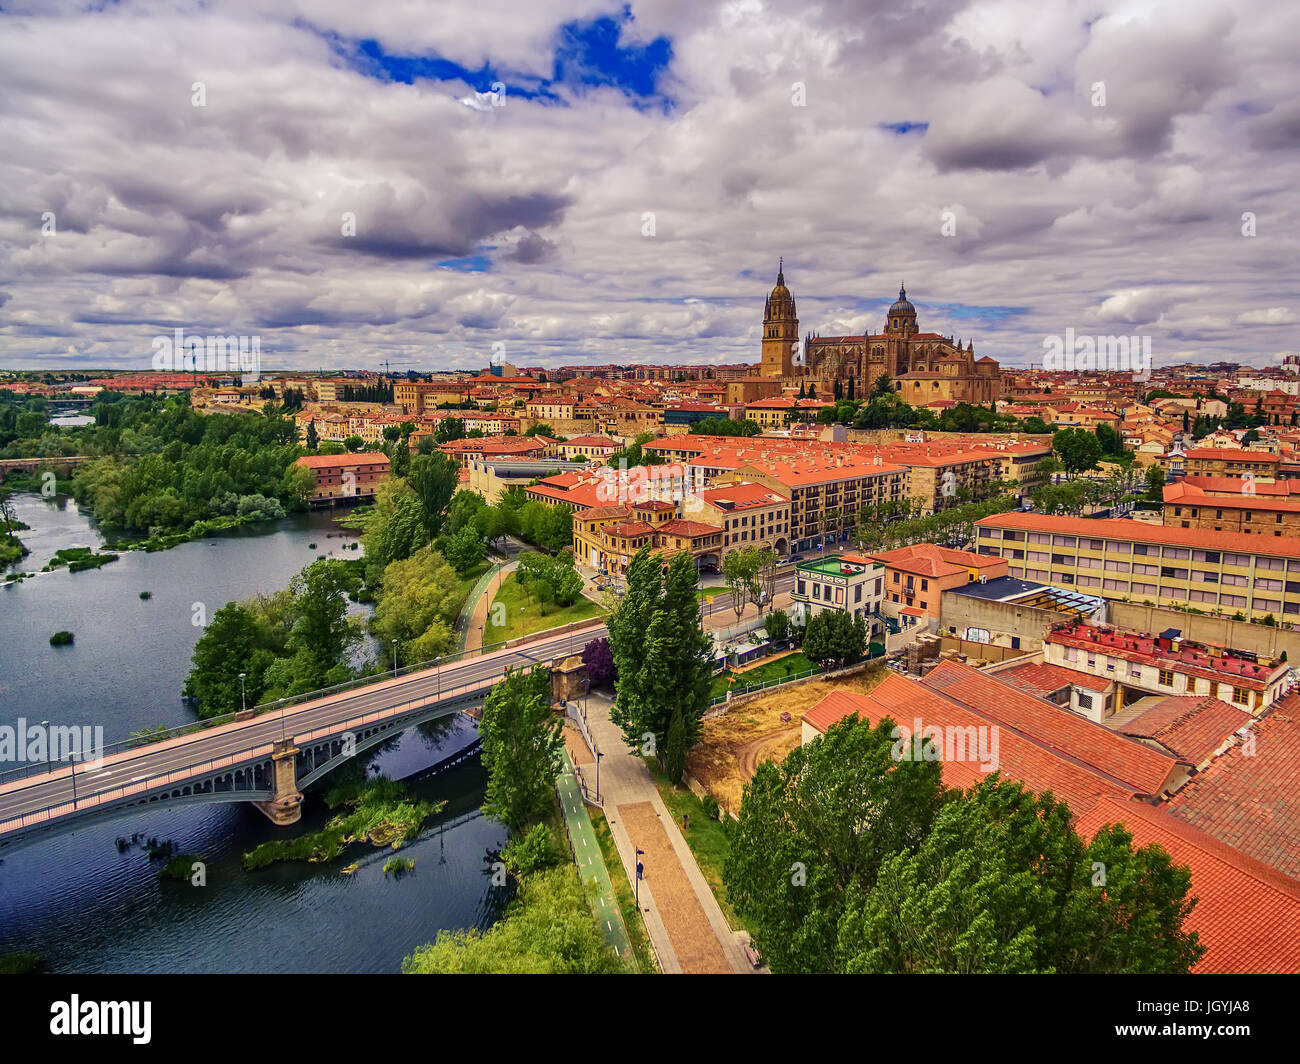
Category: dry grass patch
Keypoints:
(735, 744)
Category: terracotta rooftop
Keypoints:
(927, 559)
(1190, 727)
(1064, 732)
(1042, 679)
(1247, 915)
(1038, 767)
(689, 528)
(1249, 798)
(1142, 532)
(1193, 659)
(333, 461)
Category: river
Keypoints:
(87, 906)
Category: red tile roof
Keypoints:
(334, 461)
(1063, 731)
(689, 528)
(1142, 532)
(1231, 455)
(1019, 757)
(1247, 915)
(1188, 726)
(1190, 659)
(1041, 679)
(1249, 798)
(927, 559)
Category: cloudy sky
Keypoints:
(585, 181)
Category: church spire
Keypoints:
(780, 271)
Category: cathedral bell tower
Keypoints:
(780, 330)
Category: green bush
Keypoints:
(61, 639)
(710, 806)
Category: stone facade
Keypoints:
(924, 367)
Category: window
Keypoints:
(1166, 678)
(1240, 696)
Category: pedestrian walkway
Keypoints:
(479, 616)
(682, 917)
(590, 862)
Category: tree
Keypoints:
(881, 387)
(522, 744)
(675, 757)
(740, 574)
(418, 602)
(1002, 883)
(313, 440)
(546, 930)
(1155, 480)
(777, 625)
(1078, 449)
(808, 829)
(1111, 441)
(434, 478)
(599, 659)
(655, 634)
(354, 443)
(234, 642)
(449, 429)
(465, 549)
(832, 637)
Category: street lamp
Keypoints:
(640, 871)
(243, 700)
(599, 755)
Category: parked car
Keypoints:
(710, 569)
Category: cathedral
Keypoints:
(924, 367)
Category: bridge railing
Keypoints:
(143, 741)
(147, 783)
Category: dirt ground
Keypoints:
(735, 744)
(577, 745)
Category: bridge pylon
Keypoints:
(286, 807)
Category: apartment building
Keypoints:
(827, 491)
(1214, 572)
(607, 537)
(750, 515)
(345, 477)
(551, 408)
(1141, 665)
(1251, 513)
(1226, 462)
(585, 447)
(851, 583)
(918, 575)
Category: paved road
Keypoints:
(51, 789)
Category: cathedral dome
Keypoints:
(780, 291)
(902, 305)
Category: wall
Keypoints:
(1238, 635)
(1002, 619)
(986, 652)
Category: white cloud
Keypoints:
(229, 216)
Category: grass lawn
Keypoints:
(523, 615)
(790, 665)
(632, 920)
(709, 839)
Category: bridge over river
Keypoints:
(265, 755)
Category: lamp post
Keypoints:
(243, 699)
(599, 755)
(640, 871)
